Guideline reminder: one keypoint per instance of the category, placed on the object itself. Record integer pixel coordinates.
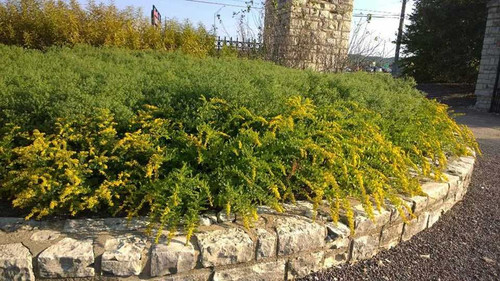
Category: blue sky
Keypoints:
(227, 25)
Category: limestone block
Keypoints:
(459, 168)
(197, 275)
(363, 224)
(304, 265)
(103, 225)
(454, 186)
(435, 191)
(222, 217)
(296, 235)
(419, 203)
(391, 235)
(173, 257)
(67, 258)
(204, 221)
(15, 263)
(302, 208)
(364, 247)
(266, 210)
(415, 226)
(266, 244)
(13, 224)
(468, 159)
(45, 235)
(434, 216)
(268, 271)
(123, 255)
(226, 246)
(337, 235)
(335, 258)
(448, 204)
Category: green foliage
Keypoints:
(43, 23)
(121, 132)
(444, 40)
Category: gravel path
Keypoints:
(464, 244)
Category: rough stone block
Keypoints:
(364, 225)
(396, 216)
(301, 208)
(335, 258)
(204, 221)
(222, 217)
(454, 185)
(337, 235)
(391, 235)
(266, 244)
(15, 263)
(435, 191)
(419, 203)
(304, 265)
(364, 247)
(434, 217)
(268, 271)
(298, 235)
(103, 225)
(415, 226)
(123, 256)
(67, 258)
(223, 247)
(174, 257)
(196, 275)
(45, 235)
(13, 224)
(468, 159)
(459, 168)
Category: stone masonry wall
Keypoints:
(279, 247)
(489, 58)
(310, 34)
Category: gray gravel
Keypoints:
(464, 244)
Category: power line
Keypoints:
(376, 11)
(223, 4)
(359, 15)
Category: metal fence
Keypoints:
(248, 47)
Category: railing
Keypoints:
(249, 47)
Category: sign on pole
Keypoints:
(155, 17)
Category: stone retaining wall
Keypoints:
(279, 247)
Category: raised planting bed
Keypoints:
(279, 246)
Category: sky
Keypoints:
(226, 24)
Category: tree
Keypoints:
(444, 40)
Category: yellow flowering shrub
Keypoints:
(226, 158)
(41, 24)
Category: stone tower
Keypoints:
(311, 34)
(487, 86)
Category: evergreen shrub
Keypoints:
(110, 131)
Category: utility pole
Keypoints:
(395, 68)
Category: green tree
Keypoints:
(444, 40)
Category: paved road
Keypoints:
(465, 243)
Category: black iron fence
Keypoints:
(248, 47)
